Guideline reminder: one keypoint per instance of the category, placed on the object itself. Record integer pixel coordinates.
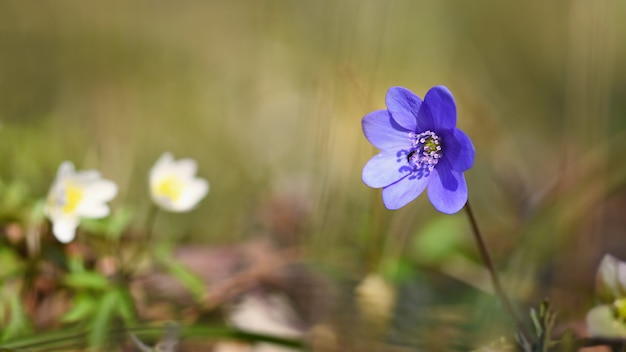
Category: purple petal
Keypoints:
(438, 111)
(458, 149)
(447, 190)
(402, 192)
(385, 168)
(380, 129)
(403, 106)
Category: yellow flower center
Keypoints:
(431, 144)
(620, 308)
(73, 196)
(170, 187)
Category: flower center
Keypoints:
(620, 308)
(171, 187)
(72, 197)
(426, 151)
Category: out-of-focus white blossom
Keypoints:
(376, 298)
(75, 195)
(607, 319)
(174, 185)
(267, 313)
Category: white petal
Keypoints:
(601, 321)
(52, 201)
(185, 168)
(87, 176)
(94, 211)
(102, 191)
(96, 196)
(57, 190)
(192, 194)
(66, 169)
(163, 202)
(64, 228)
(160, 167)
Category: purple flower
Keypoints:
(420, 146)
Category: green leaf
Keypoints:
(87, 280)
(567, 342)
(83, 306)
(37, 214)
(18, 320)
(94, 226)
(103, 317)
(119, 222)
(67, 336)
(72, 338)
(11, 262)
(14, 195)
(126, 306)
(439, 239)
(112, 226)
(543, 322)
(397, 270)
(186, 277)
(76, 264)
(3, 310)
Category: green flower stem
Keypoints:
(486, 257)
(150, 221)
(149, 230)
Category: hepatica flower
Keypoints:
(174, 185)
(420, 148)
(75, 195)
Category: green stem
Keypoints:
(150, 221)
(495, 279)
(149, 228)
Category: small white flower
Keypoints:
(173, 184)
(76, 195)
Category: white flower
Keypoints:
(76, 195)
(267, 313)
(173, 184)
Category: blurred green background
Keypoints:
(268, 97)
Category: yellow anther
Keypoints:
(73, 197)
(620, 307)
(171, 187)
